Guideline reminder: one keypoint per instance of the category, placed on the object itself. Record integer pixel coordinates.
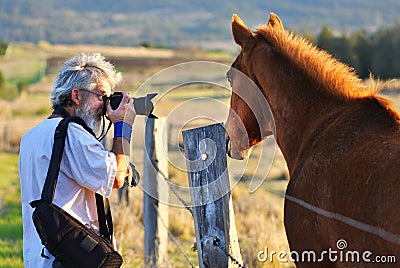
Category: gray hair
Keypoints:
(83, 71)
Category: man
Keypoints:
(86, 167)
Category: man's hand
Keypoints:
(121, 146)
(125, 111)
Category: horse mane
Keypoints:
(336, 77)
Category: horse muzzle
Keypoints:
(234, 152)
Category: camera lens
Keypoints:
(115, 100)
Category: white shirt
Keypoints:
(86, 168)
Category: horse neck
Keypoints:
(298, 108)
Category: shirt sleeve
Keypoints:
(88, 162)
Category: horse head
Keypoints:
(250, 119)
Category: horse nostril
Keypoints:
(227, 140)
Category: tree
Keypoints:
(340, 46)
(386, 53)
(343, 50)
(325, 39)
(363, 51)
(3, 48)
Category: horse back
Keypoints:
(348, 168)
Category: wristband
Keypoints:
(122, 129)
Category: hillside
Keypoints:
(178, 22)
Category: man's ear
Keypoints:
(241, 33)
(76, 96)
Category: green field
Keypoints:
(10, 212)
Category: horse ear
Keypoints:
(275, 21)
(241, 33)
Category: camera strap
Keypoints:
(61, 111)
(102, 204)
(64, 113)
(104, 133)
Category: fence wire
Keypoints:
(216, 240)
(173, 239)
(217, 243)
(187, 207)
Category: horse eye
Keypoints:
(229, 79)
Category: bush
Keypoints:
(22, 86)
(2, 81)
(3, 48)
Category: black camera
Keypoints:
(142, 105)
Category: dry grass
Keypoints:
(259, 221)
(129, 231)
(259, 215)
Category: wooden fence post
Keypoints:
(155, 199)
(205, 150)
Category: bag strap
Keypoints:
(56, 155)
(104, 217)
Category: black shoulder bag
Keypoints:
(71, 242)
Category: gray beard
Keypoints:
(90, 116)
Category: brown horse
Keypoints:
(341, 142)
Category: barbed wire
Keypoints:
(217, 243)
(173, 239)
(171, 236)
(187, 207)
(382, 233)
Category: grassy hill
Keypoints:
(177, 22)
